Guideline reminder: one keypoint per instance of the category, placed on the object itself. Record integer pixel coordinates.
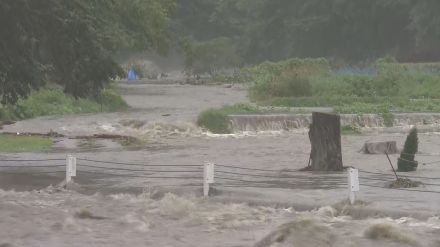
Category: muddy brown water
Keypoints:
(140, 211)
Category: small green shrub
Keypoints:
(406, 161)
(111, 101)
(387, 116)
(215, 121)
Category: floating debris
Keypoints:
(404, 183)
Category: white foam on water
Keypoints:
(140, 224)
(107, 127)
(137, 218)
(217, 216)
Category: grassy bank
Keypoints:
(53, 101)
(387, 87)
(14, 144)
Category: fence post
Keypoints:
(70, 168)
(208, 177)
(353, 184)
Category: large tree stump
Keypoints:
(325, 138)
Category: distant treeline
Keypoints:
(344, 30)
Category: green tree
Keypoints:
(72, 42)
(274, 30)
(406, 161)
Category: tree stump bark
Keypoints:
(325, 138)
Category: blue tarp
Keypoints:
(131, 75)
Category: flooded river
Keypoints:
(149, 194)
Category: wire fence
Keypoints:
(16, 166)
(225, 175)
(99, 169)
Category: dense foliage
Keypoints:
(349, 30)
(215, 121)
(72, 42)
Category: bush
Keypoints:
(387, 116)
(53, 101)
(406, 161)
(215, 121)
(111, 101)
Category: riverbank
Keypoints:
(52, 101)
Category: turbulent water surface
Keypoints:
(116, 204)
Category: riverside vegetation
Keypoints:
(383, 87)
(390, 87)
(53, 101)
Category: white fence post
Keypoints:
(208, 177)
(353, 184)
(70, 168)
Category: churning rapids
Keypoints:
(303, 209)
